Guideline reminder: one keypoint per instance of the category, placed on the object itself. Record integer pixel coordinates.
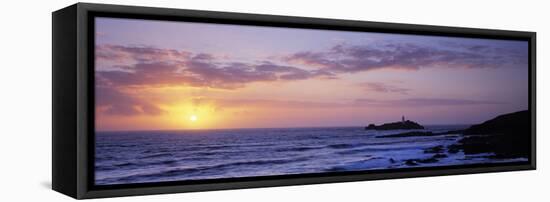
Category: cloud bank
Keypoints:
(119, 67)
(356, 58)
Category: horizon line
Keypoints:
(204, 129)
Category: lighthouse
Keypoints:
(403, 119)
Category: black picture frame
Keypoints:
(73, 99)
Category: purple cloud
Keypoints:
(118, 103)
(126, 67)
(383, 88)
(348, 58)
(120, 67)
(359, 103)
(138, 53)
(421, 102)
(157, 67)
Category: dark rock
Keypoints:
(513, 123)
(453, 149)
(417, 134)
(436, 149)
(414, 162)
(408, 134)
(421, 133)
(428, 160)
(402, 125)
(439, 156)
(411, 162)
(452, 132)
(507, 136)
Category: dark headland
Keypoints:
(400, 125)
(505, 136)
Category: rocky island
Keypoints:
(401, 125)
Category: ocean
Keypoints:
(160, 156)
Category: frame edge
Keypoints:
(64, 145)
(85, 192)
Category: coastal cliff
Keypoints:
(507, 136)
(504, 137)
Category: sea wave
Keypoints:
(207, 169)
(185, 155)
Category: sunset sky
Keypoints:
(156, 75)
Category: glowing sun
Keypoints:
(193, 118)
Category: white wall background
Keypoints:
(25, 99)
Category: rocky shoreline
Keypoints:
(419, 134)
(506, 136)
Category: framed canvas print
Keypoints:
(155, 100)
